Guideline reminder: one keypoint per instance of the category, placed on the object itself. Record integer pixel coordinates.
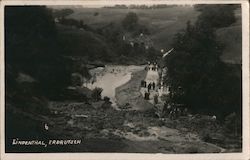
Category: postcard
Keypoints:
(125, 79)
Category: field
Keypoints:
(163, 24)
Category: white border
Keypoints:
(114, 156)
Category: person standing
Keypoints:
(153, 85)
(146, 95)
(149, 87)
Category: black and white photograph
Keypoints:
(124, 78)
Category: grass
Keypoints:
(164, 23)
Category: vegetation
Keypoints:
(197, 76)
(164, 23)
(33, 48)
(61, 13)
(35, 70)
(97, 94)
(48, 50)
(156, 99)
(105, 43)
(107, 103)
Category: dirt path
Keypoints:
(130, 93)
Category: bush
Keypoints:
(107, 103)
(156, 99)
(106, 99)
(96, 94)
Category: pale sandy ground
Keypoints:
(111, 77)
(153, 76)
(116, 82)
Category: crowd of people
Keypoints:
(153, 66)
(149, 86)
(152, 85)
(151, 81)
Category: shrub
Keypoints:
(106, 99)
(107, 103)
(96, 94)
(156, 99)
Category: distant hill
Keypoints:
(230, 37)
(163, 24)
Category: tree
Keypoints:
(216, 16)
(97, 94)
(32, 47)
(196, 74)
(107, 103)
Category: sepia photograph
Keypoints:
(124, 78)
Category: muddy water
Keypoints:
(110, 77)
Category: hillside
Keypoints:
(82, 43)
(163, 24)
(230, 37)
(92, 47)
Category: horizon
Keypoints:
(113, 5)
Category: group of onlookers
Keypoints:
(152, 66)
(150, 85)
